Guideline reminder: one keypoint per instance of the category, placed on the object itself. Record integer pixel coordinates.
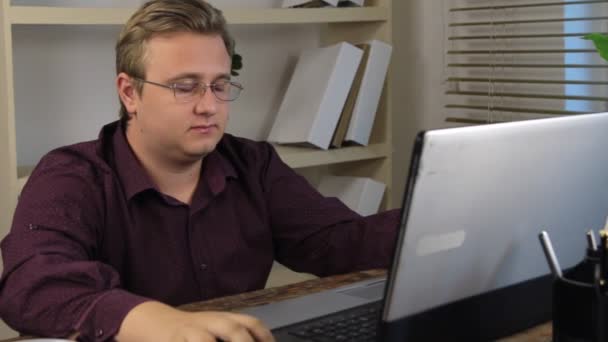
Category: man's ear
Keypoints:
(127, 92)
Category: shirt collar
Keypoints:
(216, 168)
(133, 176)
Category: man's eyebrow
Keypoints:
(195, 76)
(224, 77)
(184, 76)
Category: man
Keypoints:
(165, 209)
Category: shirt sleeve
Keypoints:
(52, 285)
(321, 235)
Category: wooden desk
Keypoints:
(540, 333)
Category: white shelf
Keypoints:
(299, 157)
(118, 16)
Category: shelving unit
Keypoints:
(8, 152)
(337, 24)
(113, 16)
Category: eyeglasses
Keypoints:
(185, 92)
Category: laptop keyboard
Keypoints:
(354, 325)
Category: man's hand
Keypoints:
(229, 327)
(154, 321)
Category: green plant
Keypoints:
(601, 43)
(237, 64)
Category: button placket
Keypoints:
(198, 260)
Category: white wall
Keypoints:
(417, 75)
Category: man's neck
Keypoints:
(176, 179)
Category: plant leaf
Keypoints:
(601, 43)
(237, 64)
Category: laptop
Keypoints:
(468, 263)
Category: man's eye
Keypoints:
(221, 87)
(185, 88)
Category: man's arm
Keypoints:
(54, 286)
(321, 235)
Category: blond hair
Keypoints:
(159, 17)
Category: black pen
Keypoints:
(545, 242)
(603, 237)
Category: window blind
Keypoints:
(508, 60)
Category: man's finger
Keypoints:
(255, 326)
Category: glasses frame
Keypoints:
(202, 86)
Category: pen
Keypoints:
(591, 241)
(603, 237)
(545, 242)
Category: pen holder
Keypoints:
(579, 306)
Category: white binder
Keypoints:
(316, 95)
(366, 105)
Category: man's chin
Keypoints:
(198, 153)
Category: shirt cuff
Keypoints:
(104, 317)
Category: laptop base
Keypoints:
(484, 317)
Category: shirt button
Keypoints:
(203, 267)
(99, 332)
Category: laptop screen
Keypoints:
(476, 199)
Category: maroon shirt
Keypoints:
(92, 236)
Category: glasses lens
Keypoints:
(235, 91)
(186, 92)
(226, 91)
(223, 91)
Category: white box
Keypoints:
(316, 95)
(366, 105)
(362, 195)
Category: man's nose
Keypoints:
(207, 103)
